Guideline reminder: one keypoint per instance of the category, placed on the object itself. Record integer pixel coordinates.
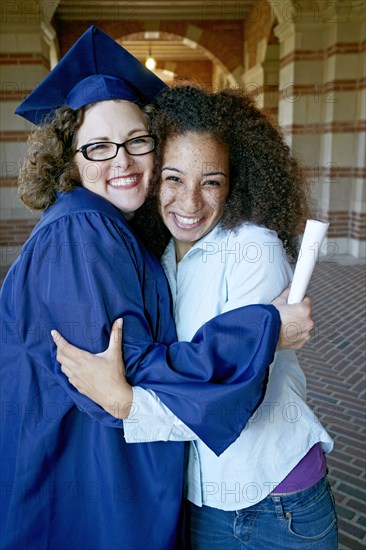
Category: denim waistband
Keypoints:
(296, 498)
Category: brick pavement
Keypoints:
(334, 363)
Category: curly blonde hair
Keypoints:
(49, 166)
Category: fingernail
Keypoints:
(119, 323)
(54, 334)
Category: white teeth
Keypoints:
(187, 221)
(121, 182)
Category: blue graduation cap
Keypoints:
(96, 68)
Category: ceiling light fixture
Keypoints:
(150, 62)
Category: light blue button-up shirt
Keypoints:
(223, 271)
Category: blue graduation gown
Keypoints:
(68, 479)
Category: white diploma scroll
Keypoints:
(311, 244)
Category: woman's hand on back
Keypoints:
(101, 377)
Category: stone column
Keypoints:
(25, 49)
(261, 58)
(300, 89)
(343, 146)
(271, 81)
(320, 111)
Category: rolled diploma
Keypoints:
(311, 243)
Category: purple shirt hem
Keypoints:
(306, 473)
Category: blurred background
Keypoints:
(303, 62)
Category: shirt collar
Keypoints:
(216, 234)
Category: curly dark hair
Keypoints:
(267, 186)
(49, 166)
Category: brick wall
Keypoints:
(15, 231)
(223, 39)
(198, 71)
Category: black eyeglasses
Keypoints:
(106, 150)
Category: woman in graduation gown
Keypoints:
(68, 478)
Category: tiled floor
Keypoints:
(334, 362)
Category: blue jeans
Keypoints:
(303, 520)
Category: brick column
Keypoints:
(271, 81)
(261, 57)
(320, 110)
(344, 146)
(24, 62)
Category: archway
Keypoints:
(179, 58)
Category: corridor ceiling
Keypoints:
(176, 10)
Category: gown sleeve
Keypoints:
(85, 272)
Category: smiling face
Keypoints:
(194, 187)
(123, 180)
